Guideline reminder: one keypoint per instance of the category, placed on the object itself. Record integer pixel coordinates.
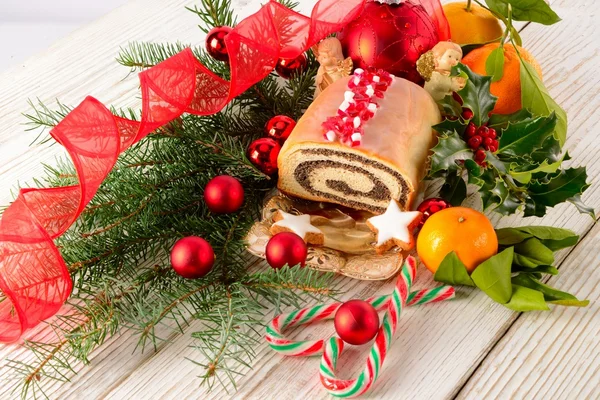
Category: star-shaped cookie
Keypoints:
(394, 228)
(298, 224)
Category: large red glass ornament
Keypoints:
(391, 37)
(286, 248)
(286, 67)
(215, 43)
(431, 206)
(263, 154)
(223, 194)
(279, 128)
(356, 322)
(192, 257)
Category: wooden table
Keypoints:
(468, 348)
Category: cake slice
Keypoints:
(383, 160)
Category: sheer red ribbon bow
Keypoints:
(33, 276)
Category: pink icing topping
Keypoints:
(359, 106)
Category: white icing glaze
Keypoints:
(299, 224)
(394, 224)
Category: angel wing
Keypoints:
(426, 65)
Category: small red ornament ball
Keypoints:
(215, 43)
(431, 206)
(356, 322)
(223, 194)
(263, 154)
(192, 257)
(286, 67)
(286, 248)
(391, 37)
(279, 128)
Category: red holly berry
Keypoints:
(487, 142)
(483, 131)
(479, 156)
(492, 133)
(471, 129)
(467, 114)
(494, 147)
(475, 142)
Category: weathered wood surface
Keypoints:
(470, 348)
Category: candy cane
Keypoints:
(278, 342)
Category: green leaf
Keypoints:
(541, 269)
(581, 207)
(525, 176)
(448, 150)
(526, 299)
(500, 121)
(454, 190)
(535, 97)
(550, 294)
(476, 95)
(474, 173)
(448, 127)
(494, 65)
(531, 253)
(453, 272)
(570, 303)
(450, 107)
(562, 186)
(493, 276)
(506, 202)
(553, 238)
(523, 137)
(525, 10)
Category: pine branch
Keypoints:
(214, 13)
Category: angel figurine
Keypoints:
(333, 65)
(435, 67)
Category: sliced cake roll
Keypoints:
(363, 141)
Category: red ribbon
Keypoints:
(33, 275)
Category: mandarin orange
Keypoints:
(508, 89)
(471, 24)
(460, 229)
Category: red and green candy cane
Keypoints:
(331, 348)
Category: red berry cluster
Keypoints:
(479, 138)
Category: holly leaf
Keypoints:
(524, 176)
(449, 126)
(450, 107)
(531, 253)
(447, 152)
(500, 121)
(550, 151)
(507, 203)
(581, 207)
(550, 294)
(494, 64)
(454, 190)
(535, 97)
(526, 299)
(522, 138)
(525, 10)
(453, 272)
(493, 276)
(476, 95)
(474, 172)
(553, 238)
(562, 186)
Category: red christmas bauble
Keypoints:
(391, 37)
(431, 206)
(285, 67)
(286, 248)
(215, 43)
(192, 257)
(356, 322)
(279, 128)
(223, 194)
(263, 154)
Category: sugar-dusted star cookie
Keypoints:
(298, 224)
(394, 228)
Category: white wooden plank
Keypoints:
(454, 337)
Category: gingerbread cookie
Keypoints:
(298, 224)
(394, 228)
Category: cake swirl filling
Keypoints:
(349, 179)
